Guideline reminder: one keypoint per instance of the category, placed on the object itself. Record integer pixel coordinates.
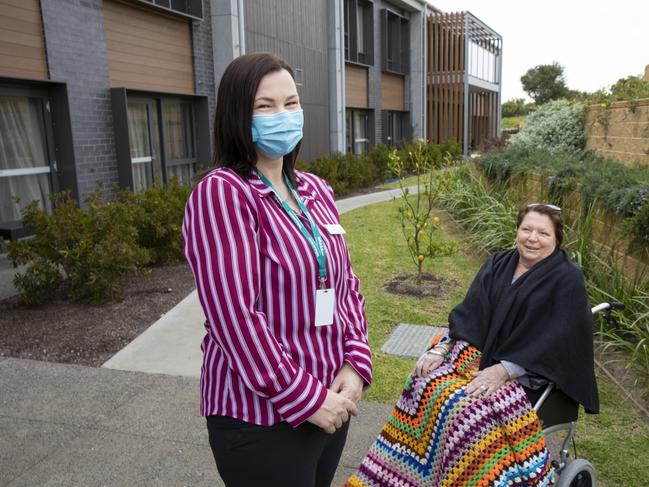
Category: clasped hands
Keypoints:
(341, 401)
(485, 382)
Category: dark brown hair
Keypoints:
(233, 145)
(553, 213)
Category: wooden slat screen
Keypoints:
(147, 50)
(445, 90)
(445, 77)
(392, 92)
(22, 47)
(356, 86)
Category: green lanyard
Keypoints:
(316, 241)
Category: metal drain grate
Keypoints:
(410, 340)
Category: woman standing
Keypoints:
(285, 356)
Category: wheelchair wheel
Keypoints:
(578, 473)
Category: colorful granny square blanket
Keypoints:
(438, 436)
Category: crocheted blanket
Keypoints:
(438, 436)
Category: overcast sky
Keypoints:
(596, 41)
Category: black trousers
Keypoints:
(249, 455)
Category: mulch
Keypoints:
(84, 334)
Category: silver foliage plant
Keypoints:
(557, 126)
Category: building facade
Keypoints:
(124, 91)
(101, 91)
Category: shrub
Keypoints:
(158, 216)
(80, 253)
(516, 107)
(555, 126)
(491, 144)
(347, 172)
(621, 190)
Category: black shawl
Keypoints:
(542, 322)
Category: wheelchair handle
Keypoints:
(607, 307)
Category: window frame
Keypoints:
(193, 9)
(351, 32)
(349, 129)
(388, 121)
(395, 55)
(199, 122)
(46, 107)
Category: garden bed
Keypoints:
(85, 334)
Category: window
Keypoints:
(179, 140)
(357, 131)
(358, 26)
(395, 42)
(156, 137)
(395, 128)
(144, 144)
(184, 8)
(27, 165)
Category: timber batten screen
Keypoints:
(464, 59)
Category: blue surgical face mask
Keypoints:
(276, 135)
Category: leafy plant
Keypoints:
(545, 82)
(80, 253)
(556, 126)
(157, 215)
(419, 228)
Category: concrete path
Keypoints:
(73, 426)
(67, 425)
(172, 344)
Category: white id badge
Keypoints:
(324, 307)
(335, 229)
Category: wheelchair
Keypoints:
(558, 414)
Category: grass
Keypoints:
(512, 122)
(379, 252)
(410, 181)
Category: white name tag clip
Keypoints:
(325, 303)
(335, 229)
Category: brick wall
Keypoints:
(204, 62)
(620, 131)
(76, 55)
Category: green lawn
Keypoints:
(511, 122)
(411, 181)
(615, 441)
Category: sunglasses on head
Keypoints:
(544, 205)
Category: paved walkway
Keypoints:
(68, 425)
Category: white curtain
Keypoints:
(22, 145)
(138, 135)
(174, 133)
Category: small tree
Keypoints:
(516, 107)
(419, 227)
(545, 83)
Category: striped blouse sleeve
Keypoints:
(221, 244)
(357, 349)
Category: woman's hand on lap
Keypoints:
(427, 363)
(487, 381)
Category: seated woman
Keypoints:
(464, 417)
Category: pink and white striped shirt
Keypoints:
(264, 360)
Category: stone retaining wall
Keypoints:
(620, 131)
